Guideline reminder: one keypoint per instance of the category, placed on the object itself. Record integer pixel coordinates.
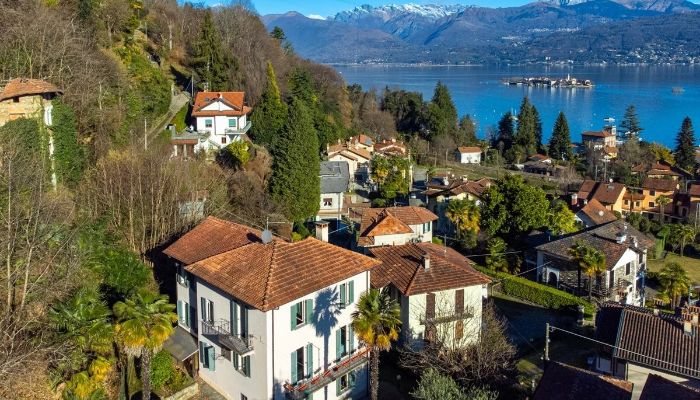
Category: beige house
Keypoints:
(27, 98)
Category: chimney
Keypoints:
(688, 327)
(574, 199)
(445, 181)
(656, 311)
(585, 201)
(322, 231)
(220, 95)
(426, 261)
(622, 235)
(266, 236)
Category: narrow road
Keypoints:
(176, 103)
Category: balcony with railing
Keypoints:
(238, 130)
(448, 317)
(303, 388)
(221, 331)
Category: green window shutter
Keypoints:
(351, 338)
(203, 308)
(246, 366)
(211, 358)
(187, 314)
(202, 354)
(338, 345)
(351, 292)
(309, 360)
(234, 318)
(236, 362)
(293, 314)
(180, 314)
(309, 311)
(295, 378)
(338, 387)
(352, 378)
(342, 294)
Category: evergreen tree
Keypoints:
(301, 86)
(560, 143)
(538, 130)
(525, 136)
(212, 64)
(630, 123)
(685, 146)
(506, 131)
(466, 134)
(295, 183)
(271, 112)
(442, 113)
(278, 33)
(69, 155)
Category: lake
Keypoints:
(478, 91)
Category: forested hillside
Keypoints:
(78, 256)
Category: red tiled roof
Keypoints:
(606, 193)
(372, 217)
(601, 134)
(233, 258)
(390, 147)
(662, 185)
(362, 139)
(183, 141)
(27, 87)
(597, 213)
(469, 149)
(234, 100)
(655, 340)
(403, 267)
(660, 388)
(564, 382)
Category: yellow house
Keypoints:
(653, 189)
(27, 98)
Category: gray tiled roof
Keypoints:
(335, 176)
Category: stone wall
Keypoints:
(186, 393)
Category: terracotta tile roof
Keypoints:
(602, 238)
(597, 213)
(373, 217)
(469, 149)
(600, 134)
(660, 388)
(403, 267)
(662, 185)
(27, 87)
(563, 382)
(233, 258)
(606, 193)
(391, 147)
(233, 100)
(654, 340)
(211, 237)
(362, 139)
(694, 190)
(639, 168)
(475, 188)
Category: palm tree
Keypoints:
(675, 281)
(145, 323)
(376, 322)
(590, 260)
(686, 233)
(464, 214)
(663, 202)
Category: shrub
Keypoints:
(162, 369)
(434, 386)
(122, 271)
(538, 293)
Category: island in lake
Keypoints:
(567, 82)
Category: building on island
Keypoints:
(270, 319)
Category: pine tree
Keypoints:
(212, 64)
(685, 146)
(466, 134)
(278, 33)
(630, 123)
(295, 183)
(560, 143)
(442, 113)
(538, 130)
(525, 136)
(270, 114)
(506, 131)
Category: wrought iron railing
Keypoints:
(302, 389)
(221, 330)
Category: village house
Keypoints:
(600, 139)
(395, 226)
(645, 343)
(357, 155)
(625, 250)
(27, 98)
(335, 181)
(442, 190)
(564, 382)
(593, 213)
(362, 142)
(391, 147)
(469, 155)
(652, 190)
(659, 170)
(263, 318)
(439, 292)
(659, 388)
(220, 118)
(611, 195)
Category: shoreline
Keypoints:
(563, 66)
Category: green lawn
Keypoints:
(691, 265)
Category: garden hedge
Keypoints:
(533, 292)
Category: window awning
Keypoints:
(181, 345)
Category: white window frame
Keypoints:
(235, 123)
(208, 312)
(301, 306)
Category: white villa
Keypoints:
(266, 318)
(469, 155)
(395, 226)
(439, 292)
(220, 118)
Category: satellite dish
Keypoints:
(266, 236)
(601, 213)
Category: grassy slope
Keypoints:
(691, 265)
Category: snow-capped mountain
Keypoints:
(429, 11)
